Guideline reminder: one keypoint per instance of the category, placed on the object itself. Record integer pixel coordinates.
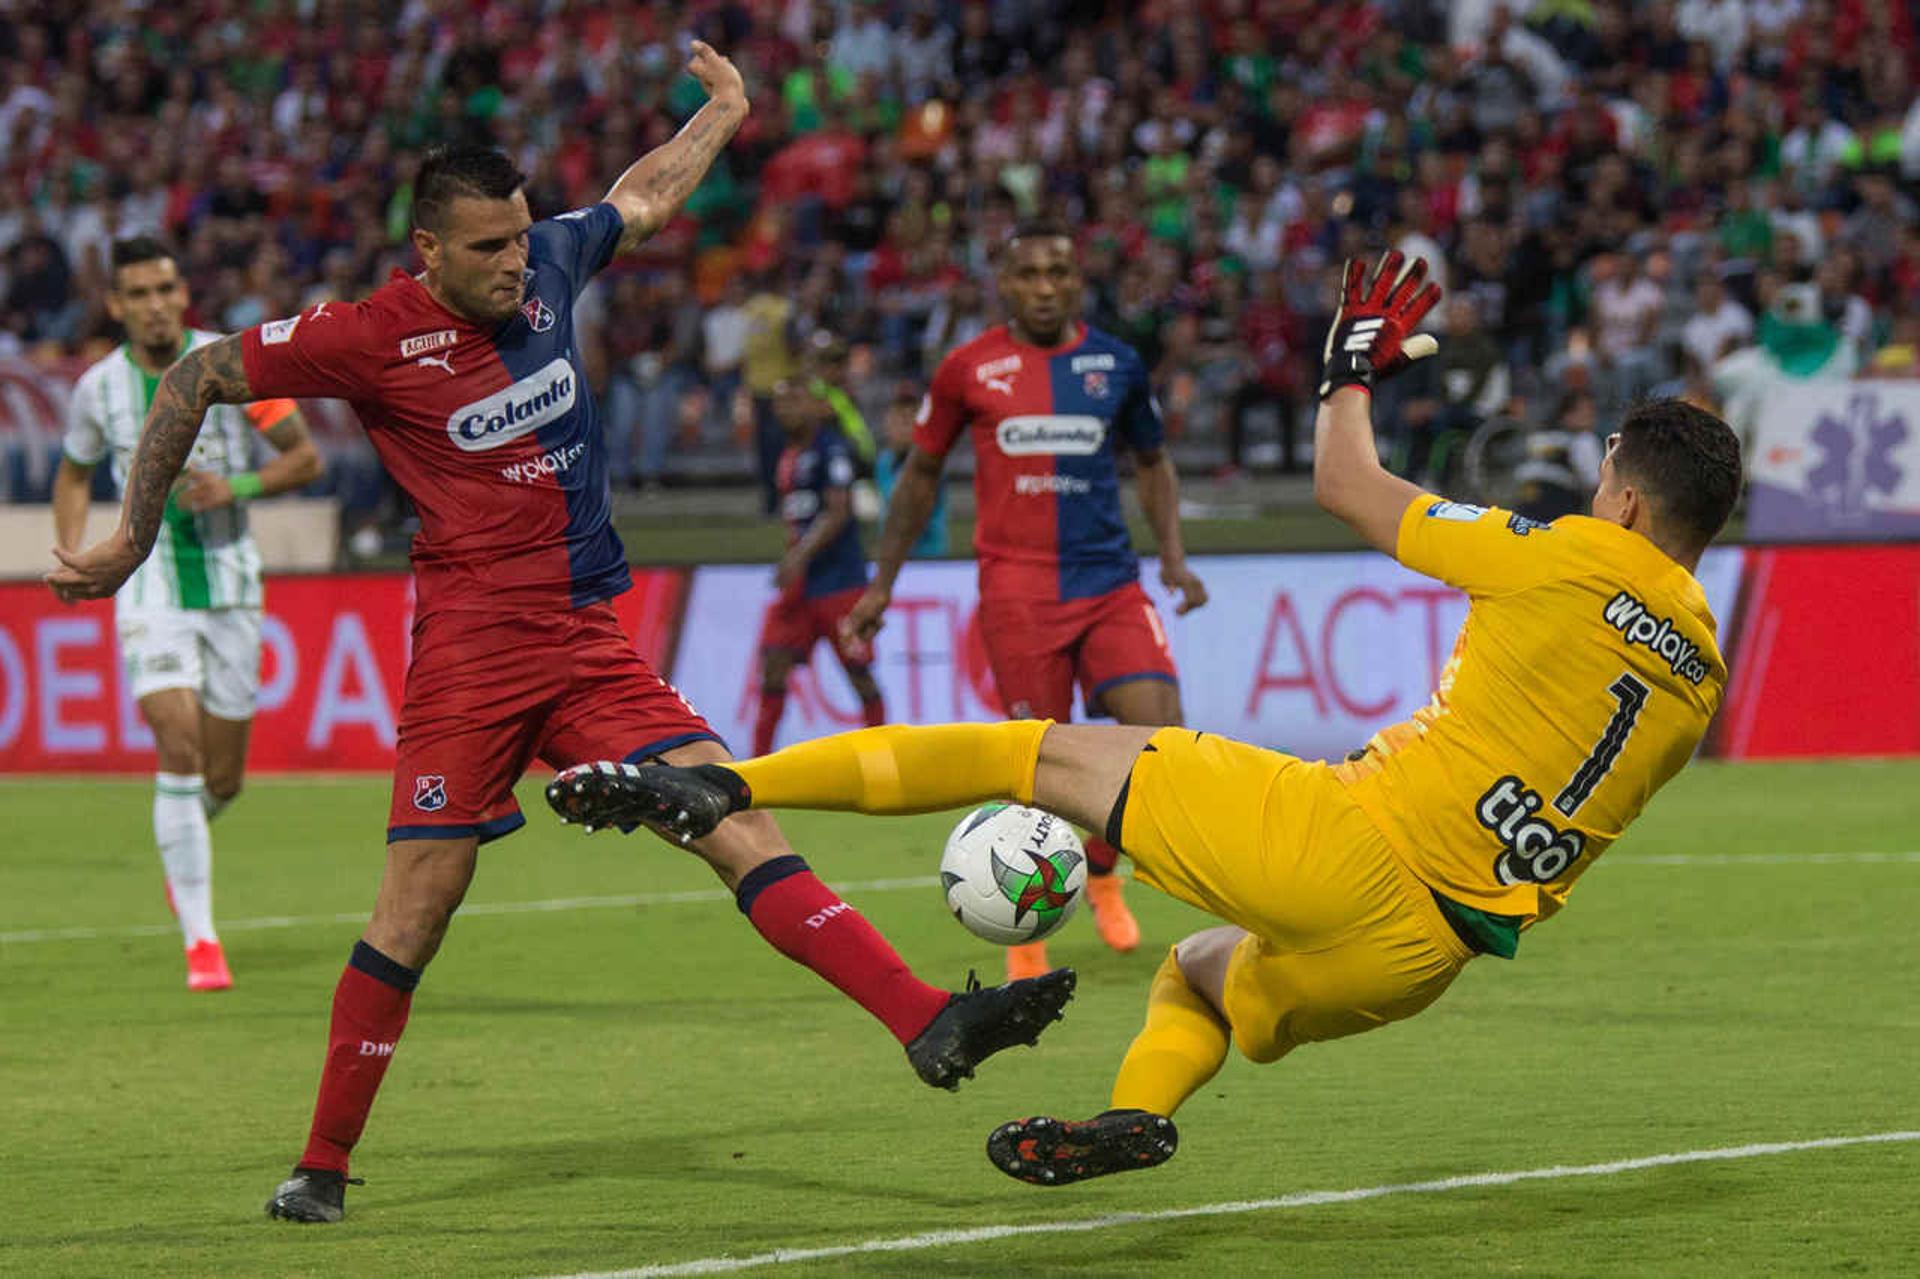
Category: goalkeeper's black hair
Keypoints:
(1686, 461)
(450, 172)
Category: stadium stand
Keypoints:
(1623, 198)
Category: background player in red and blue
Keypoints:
(1050, 402)
(825, 568)
(467, 377)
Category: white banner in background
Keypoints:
(1304, 653)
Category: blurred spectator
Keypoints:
(1627, 309)
(767, 359)
(1444, 399)
(724, 331)
(1574, 170)
(1718, 323)
(1270, 339)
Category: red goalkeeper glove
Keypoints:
(1372, 335)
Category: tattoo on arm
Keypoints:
(208, 375)
(650, 192)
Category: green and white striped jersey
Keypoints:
(199, 561)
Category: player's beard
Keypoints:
(161, 345)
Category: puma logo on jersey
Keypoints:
(1637, 625)
(1360, 336)
(437, 361)
(1536, 852)
(997, 375)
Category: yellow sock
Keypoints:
(1181, 1047)
(901, 768)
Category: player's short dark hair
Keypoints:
(447, 173)
(1687, 462)
(134, 250)
(1044, 227)
(1034, 228)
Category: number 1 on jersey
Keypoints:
(1632, 696)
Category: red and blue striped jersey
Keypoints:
(1046, 423)
(490, 430)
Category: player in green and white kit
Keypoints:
(189, 618)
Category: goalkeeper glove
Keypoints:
(1372, 334)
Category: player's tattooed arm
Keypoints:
(205, 376)
(652, 190)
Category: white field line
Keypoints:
(1305, 1199)
(914, 882)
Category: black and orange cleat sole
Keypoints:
(1059, 1152)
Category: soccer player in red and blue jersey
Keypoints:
(1050, 402)
(468, 379)
(825, 568)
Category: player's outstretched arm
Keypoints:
(1371, 338)
(652, 190)
(1348, 480)
(915, 493)
(1159, 487)
(205, 376)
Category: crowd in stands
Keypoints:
(1618, 195)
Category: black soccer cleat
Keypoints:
(1058, 1152)
(978, 1023)
(312, 1195)
(681, 803)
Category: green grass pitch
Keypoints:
(590, 1086)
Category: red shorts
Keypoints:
(794, 624)
(1038, 649)
(486, 696)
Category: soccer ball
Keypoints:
(1012, 874)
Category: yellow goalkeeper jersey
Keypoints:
(1583, 678)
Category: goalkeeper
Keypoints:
(1353, 893)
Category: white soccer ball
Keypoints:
(1013, 874)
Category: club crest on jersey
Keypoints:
(539, 315)
(526, 406)
(430, 792)
(997, 375)
(1095, 385)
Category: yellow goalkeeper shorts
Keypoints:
(1343, 938)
